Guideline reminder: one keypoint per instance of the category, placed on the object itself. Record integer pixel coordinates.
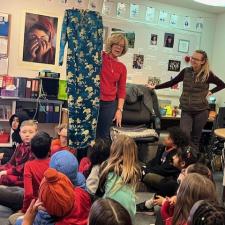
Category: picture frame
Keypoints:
(30, 20)
(183, 46)
(174, 65)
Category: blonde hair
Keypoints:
(32, 123)
(193, 188)
(60, 127)
(123, 161)
(203, 74)
(115, 39)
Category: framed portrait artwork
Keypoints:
(183, 46)
(39, 40)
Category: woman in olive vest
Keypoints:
(193, 101)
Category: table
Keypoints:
(220, 132)
(171, 121)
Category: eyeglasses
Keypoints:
(121, 46)
(195, 59)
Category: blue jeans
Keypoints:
(5, 212)
(105, 117)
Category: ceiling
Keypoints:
(193, 5)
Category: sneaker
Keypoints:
(141, 208)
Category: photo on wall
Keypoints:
(39, 45)
(154, 39)
(174, 65)
(183, 46)
(138, 61)
(169, 40)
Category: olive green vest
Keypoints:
(194, 94)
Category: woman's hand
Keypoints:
(34, 46)
(151, 86)
(44, 47)
(118, 117)
(31, 212)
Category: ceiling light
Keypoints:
(220, 3)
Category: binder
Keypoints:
(28, 88)
(33, 88)
(22, 87)
(56, 113)
(42, 113)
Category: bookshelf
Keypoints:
(10, 105)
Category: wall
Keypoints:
(17, 10)
(219, 55)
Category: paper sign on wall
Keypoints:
(150, 14)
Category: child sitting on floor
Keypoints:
(99, 153)
(64, 203)
(120, 174)
(161, 166)
(61, 143)
(193, 188)
(12, 173)
(34, 171)
(108, 212)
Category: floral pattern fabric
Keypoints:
(83, 31)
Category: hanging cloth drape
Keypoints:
(83, 30)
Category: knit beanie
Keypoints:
(66, 163)
(57, 193)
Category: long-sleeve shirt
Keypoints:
(113, 79)
(213, 79)
(162, 163)
(16, 164)
(33, 174)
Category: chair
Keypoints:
(141, 111)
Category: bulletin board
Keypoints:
(155, 57)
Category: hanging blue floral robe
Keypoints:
(83, 30)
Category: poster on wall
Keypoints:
(138, 61)
(174, 65)
(173, 20)
(4, 40)
(121, 9)
(154, 80)
(199, 24)
(134, 10)
(154, 39)
(183, 46)
(39, 45)
(163, 17)
(187, 22)
(95, 5)
(169, 40)
(150, 14)
(129, 35)
(108, 8)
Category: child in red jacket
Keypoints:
(61, 143)
(12, 173)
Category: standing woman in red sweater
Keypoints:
(112, 85)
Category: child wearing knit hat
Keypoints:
(61, 201)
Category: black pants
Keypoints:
(192, 124)
(105, 119)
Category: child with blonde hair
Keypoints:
(120, 174)
(61, 142)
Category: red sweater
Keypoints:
(15, 167)
(81, 209)
(33, 174)
(56, 146)
(113, 79)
